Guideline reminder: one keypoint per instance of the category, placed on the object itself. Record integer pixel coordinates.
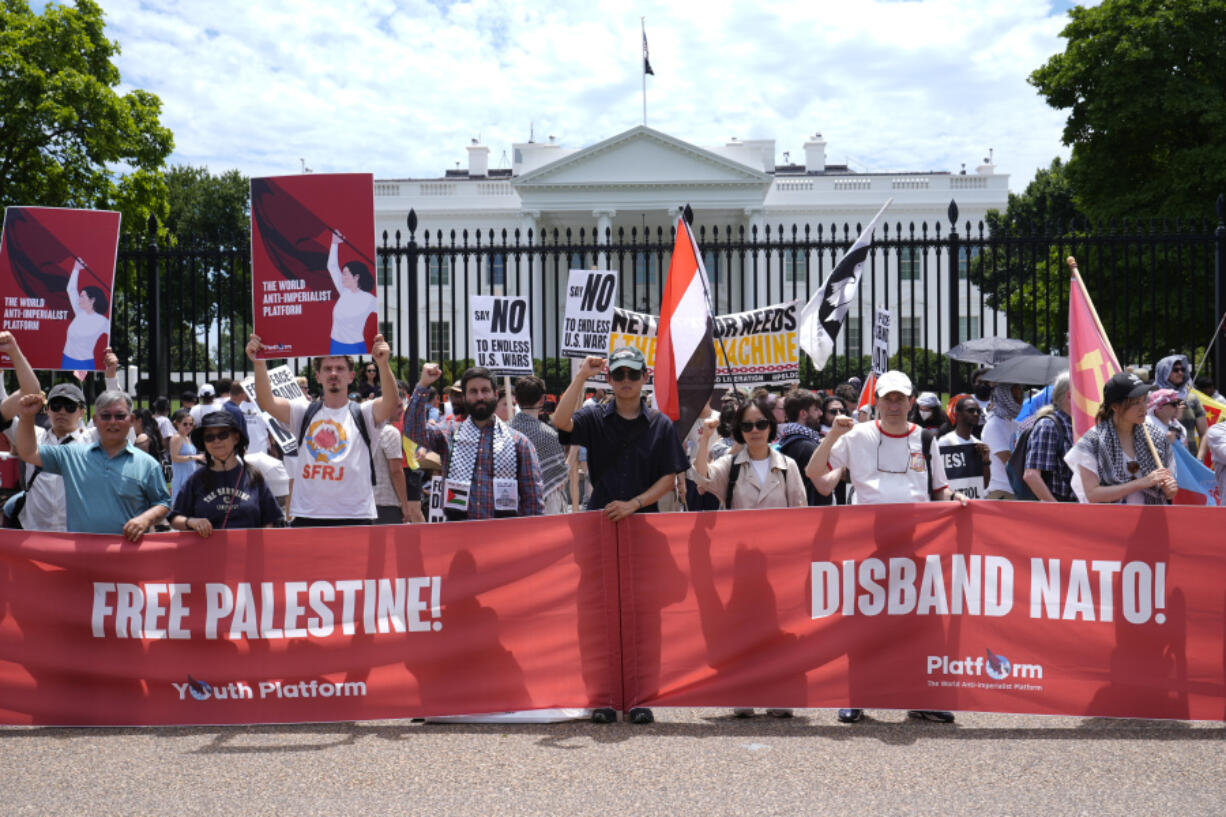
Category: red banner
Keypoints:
(313, 264)
(57, 275)
(300, 625)
(999, 607)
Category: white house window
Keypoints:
(440, 340)
(965, 256)
(440, 271)
(794, 271)
(498, 273)
(911, 332)
(855, 341)
(910, 264)
(968, 327)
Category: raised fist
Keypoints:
(429, 373)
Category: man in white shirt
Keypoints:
(334, 474)
(206, 404)
(886, 462)
(959, 462)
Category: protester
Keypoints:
(188, 400)
(502, 410)
(1173, 372)
(489, 469)
(272, 466)
(184, 457)
(833, 407)
(334, 476)
(250, 420)
(966, 420)
(391, 495)
(887, 463)
(109, 485)
(148, 434)
(998, 433)
(1047, 474)
(800, 436)
(1216, 439)
(927, 411)
(1164, 406)
(530, 398)
(634, 454)
(1112, 462)
(368, 386)
(161, 413)
(206, 404)
(413, 467)
(226, 493)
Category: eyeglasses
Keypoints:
(220, 435)
(892, 453)
(836, 411)
(63, 405)
(625, 373)
(108, 417)
(760, 425)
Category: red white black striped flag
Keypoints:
(685, 354)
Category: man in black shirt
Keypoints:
(633, 454)
(799, 437)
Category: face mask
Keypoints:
(983, 391)
(925, 413)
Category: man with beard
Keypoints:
(800, 436)
(489, 469)
(334, 477)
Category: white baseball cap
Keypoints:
(893, 381)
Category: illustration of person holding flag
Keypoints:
(355, 303)
(90, 321)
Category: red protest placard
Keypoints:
(313, 264)
(57, 276)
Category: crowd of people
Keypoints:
(370, 447)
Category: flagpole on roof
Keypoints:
(646, 66)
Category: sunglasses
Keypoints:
(760, 425)
(216, 437)
(63, 405)
(971, 410)
(625, 373)
(836, 411)
(1177, 369)
(108, 417)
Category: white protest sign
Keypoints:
(284, 384)
(964, 469)
(590, 299)
(435, 492)
(502, 335)
(881, 341)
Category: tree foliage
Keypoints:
(1145, 85)
(64, 130)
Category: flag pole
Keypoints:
(1205, 356)
(687, 215)
(643, 68)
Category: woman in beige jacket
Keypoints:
(757, 476)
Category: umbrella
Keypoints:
(990, 351)
(1029, 370)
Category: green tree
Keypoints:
(1145, 86)
(63, 126)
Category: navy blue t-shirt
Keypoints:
(625, 457)
(206, 495)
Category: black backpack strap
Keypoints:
(926, 438)
(311, 410)
(733, 473)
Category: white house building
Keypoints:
(636, 182)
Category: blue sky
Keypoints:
(400, 87)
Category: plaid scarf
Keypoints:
(549, 451)
(1003, 404)
(1104, 443)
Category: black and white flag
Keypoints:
(646, 61)
(823, 315)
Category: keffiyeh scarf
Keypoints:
(1103, 443)
(549, 451)
(789, 431)
(465, 443)
(1003, 404)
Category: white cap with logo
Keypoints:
(893, 381)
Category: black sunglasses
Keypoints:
(761, 425)
(624, 373)
(59, 404)
(836, 411)
(220, 435)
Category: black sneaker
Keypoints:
(641, 714)
(931, 715)
(850, 715)
(604, 716)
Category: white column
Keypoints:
(604, 230)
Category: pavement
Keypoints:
(690, 762)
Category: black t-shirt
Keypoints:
(625, 457)
(207, 493)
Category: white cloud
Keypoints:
(398, 87)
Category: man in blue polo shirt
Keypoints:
(110, 486)
(633, 452)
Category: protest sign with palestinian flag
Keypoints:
(685, 357)
(825, 312)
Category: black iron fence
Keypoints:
(183, 316)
